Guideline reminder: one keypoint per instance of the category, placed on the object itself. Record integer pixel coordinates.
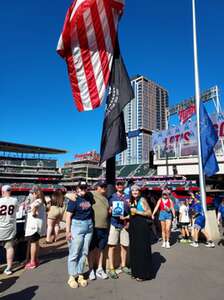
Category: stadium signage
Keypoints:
(91, 155)
(185, 134)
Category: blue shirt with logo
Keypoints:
(197, 208)
(116, 221)
(81, 208)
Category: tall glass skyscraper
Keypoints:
(145, 113)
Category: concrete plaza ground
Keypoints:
(181, 272)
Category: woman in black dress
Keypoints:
(139, 232)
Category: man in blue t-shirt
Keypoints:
(118, 228)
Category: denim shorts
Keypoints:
(199, 222)
(165, 215)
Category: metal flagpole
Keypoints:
(197, 96)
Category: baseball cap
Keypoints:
(120, 182)
(34, 189)
(6, 188)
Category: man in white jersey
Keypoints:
(8, 208)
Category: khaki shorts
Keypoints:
(118, 235)
(7, 244)
(55, 213)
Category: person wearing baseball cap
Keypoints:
(118, 234)
(100, 233)
(8, 209)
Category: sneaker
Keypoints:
(194, 244)
(8, 271)
(81, 281)
(101, 274)
(119, 270)
(126, 270)
(92, 275)
(210, 245)
(30, 266)
(167, 245)
(72, 282)
(183, 241)
(163, 245)
(112, 274)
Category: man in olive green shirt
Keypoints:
(100, 235)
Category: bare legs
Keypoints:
(56, 230)
(34, 252)
(111, 256)
(166, 225)
(52, 229)
(124, 252)
(9, 257)
(185, 232)
(96, 256)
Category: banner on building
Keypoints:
(183, 138)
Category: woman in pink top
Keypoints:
(166, 213)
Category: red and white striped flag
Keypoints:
(87, 44)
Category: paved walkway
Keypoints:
(181, 272)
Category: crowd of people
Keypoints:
(94, 223)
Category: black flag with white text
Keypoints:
(120, 93)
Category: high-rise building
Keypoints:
(145, 113)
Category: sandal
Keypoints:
(81, 281)
(72, 282)
(48, 242)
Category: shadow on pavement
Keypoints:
(26, 294)
(53, 255)
(6, 283)
(174, 237)
(221, 242)
(157, 261)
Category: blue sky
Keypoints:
(156, 41)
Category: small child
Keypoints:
(184, 221)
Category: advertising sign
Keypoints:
(184, 137)
(91, 155)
